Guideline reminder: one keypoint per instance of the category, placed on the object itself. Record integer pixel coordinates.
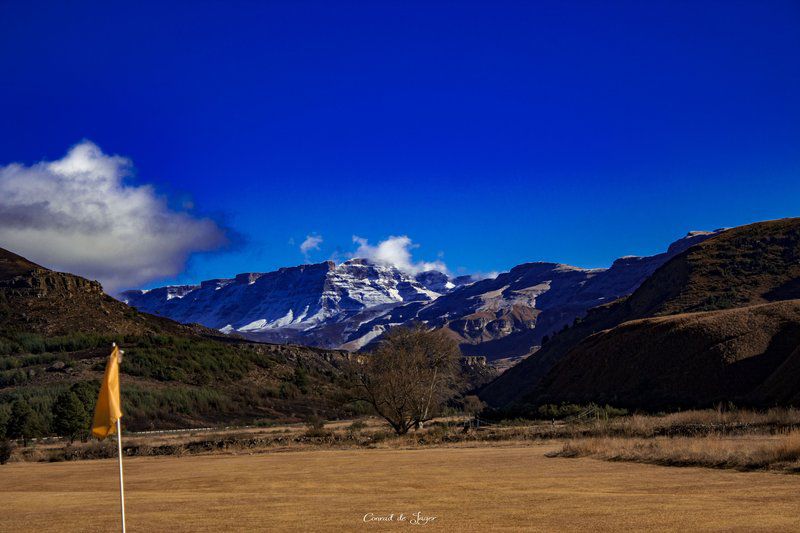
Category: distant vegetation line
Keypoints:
(168, 381)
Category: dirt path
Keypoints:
(466, 489)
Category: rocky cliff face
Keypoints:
(510, 315)
(291, 303)
(350, 305)
(42, 283)
(34, 299)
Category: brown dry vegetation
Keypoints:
(776, 453)
(369, 433)
(374, 433)
(695, 423)
(737, 439)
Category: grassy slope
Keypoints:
(56, 330)
(743, 266)
(685, 360)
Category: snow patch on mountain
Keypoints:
(295, 298)
(350, 305)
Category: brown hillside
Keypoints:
(12, 265)
(56, 330)
(748, 265)
(685, 360)
(34, 299)
(743, 266)
(783, 385)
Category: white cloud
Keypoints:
(396, 251)
(312, 242)
(477, 276)
(77, 215)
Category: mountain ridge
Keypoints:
(334, 306)
(509, 315)
(294, 299)
(739, 267)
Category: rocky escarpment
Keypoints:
(34, 299)
(56, 330)
(304, 304)
(511, 315)
(43, 283)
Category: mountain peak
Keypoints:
(280, 305)
(330, 305)
(691, 238)
(360, 261)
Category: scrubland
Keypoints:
(739, 439)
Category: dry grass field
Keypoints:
(777, 452)
(467, 488)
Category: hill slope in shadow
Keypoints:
(744, 266)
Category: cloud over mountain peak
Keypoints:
(395, 251)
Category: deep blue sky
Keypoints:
(496, 133)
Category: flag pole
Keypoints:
(107, 414)
(121, 484)
(119, 456)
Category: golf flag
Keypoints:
(107, 414)
(108, 410)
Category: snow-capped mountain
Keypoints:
(285, 304)
(510, 315)
(352, 304)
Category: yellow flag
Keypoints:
(108, 410)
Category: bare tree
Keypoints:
(472, 405)
(410, 375)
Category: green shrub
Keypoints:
(22, 423)
(6, 448)
(314, 422)
(300, 379)
(356, 427)
(70, 419)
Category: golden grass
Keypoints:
(690, 423)
(778, 416)
(781, 452)
(467, 489)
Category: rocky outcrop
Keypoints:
(294, 304)
(512, 314)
